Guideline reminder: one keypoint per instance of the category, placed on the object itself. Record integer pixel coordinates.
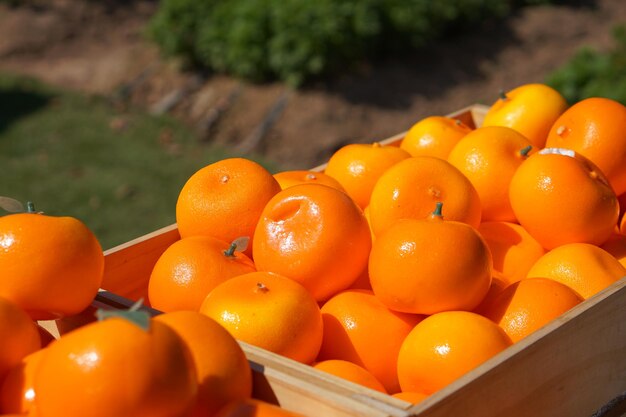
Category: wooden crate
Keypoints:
(570, 367)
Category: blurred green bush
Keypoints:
(297, 40)
(594, 74)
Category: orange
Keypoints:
(269, 311)
(190, 268)
(254, 408)
(288, 179)
(560, 197)
(445, 346)
(17, 394)
(585, 268)
(488, 157)
(315, 235)
(527, 305)
(513, 249)
(119, 369)
(430, 265)
(410, 189)
(224, 199)
(531, 109)
(18, 335)
(595, 128)
(360, 329)
(616, 246)
(358, 166)
(51, 266)
(222, 369)
(498, 284)
(351, 372)
(434, 136)
(412, 397)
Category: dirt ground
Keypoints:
(99, 47)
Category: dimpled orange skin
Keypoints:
(562, 199)
(358, 166)
(222, 368)
(512, 248)
(488, 157)
(527, 305)
(119, 369)
(445, 346)
(288, 179)
(17, 394)
(430, 266)
(18, 336)
(224, 200)
(351, 372)
(360, 329)
(595, 128)
(531, 109)
(585, 268)
(51, 266)
(315, 235)
(410, 189)
(189, 269)
(268, 311)
(434, 136)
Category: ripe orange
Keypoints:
(288, 179)
(513, 249)
(430, 265)
(434, 136)
(616, 246)
(18, 336)
(254, 408)
(51, 266)
(488, 157)
(446, 345)
(585, 268)
(410, 189)
(560, 197)
(358, 166)
(189, 269)
(222, 370)
(595, 128)
(525, 306)
(119, 369)
(269, 311)
(351, 372)
(413, 397)
(225, 200)
(17, 394)
(314, 235)
(360, 329)
(531, 109)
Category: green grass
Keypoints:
(61, 151)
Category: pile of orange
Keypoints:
(400, 267)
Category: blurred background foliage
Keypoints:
(591, 73)
(296, 41)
